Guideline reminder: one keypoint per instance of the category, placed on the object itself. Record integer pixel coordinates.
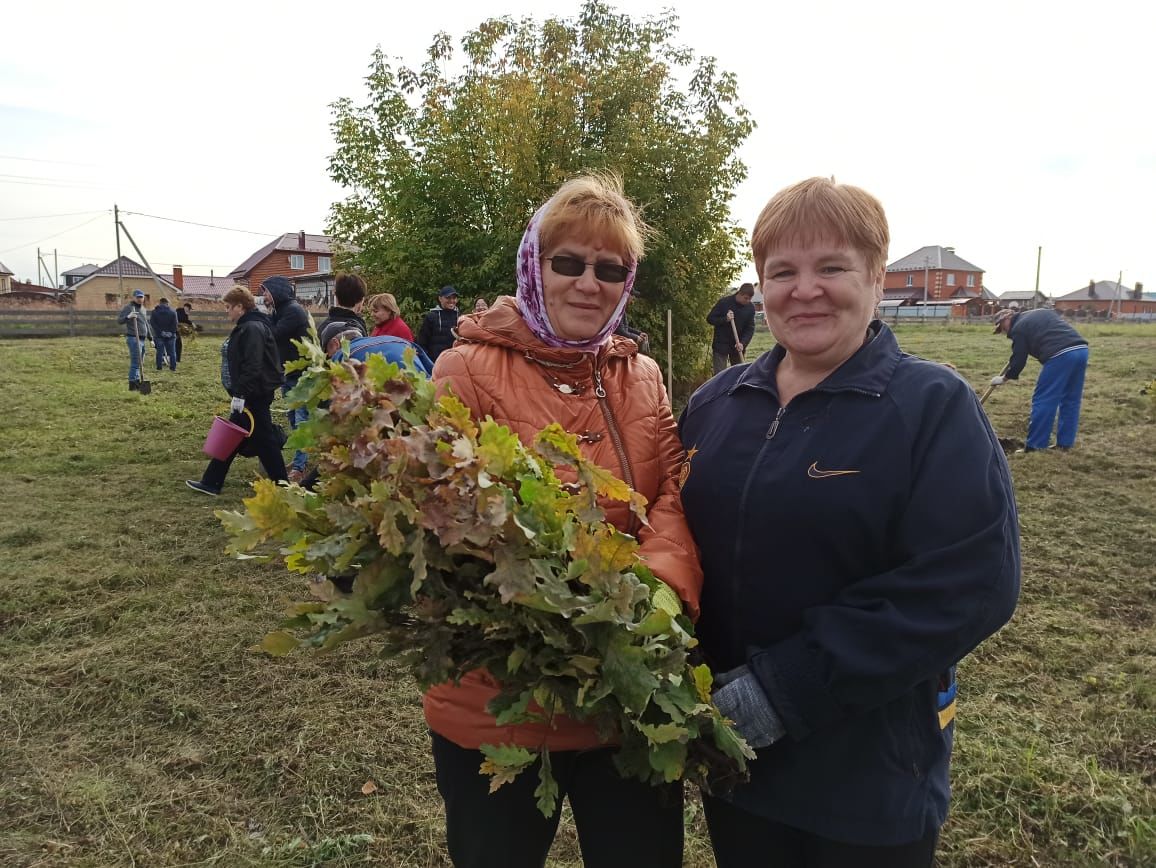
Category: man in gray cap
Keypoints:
(136, 331)
(1063, 352)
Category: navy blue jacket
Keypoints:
(290, 321)
(856, 545)
(724, 338)
(436, 334)
(1040, 333)
(163, 321)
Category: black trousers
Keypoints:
(744, 840)
(621, 823)
(264, 439)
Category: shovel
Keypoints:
(735, 332)
(144, 387)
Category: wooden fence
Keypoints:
(70, 323)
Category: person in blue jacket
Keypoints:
(859, 537)
(1063, 352)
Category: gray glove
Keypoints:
(740, 698)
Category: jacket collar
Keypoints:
(868, 371)
(502, 325)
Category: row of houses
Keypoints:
(931, 281)
(304, 258)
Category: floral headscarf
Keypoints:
(532, 299)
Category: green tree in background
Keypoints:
(445, 169)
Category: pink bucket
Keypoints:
(224, 437)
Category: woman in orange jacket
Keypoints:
(551, 355)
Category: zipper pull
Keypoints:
(775, 424)
(598, 390)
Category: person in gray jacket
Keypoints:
(1063, 352)
(136, 330)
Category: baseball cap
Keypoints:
(138, 294)
(1000, 317)
(447, 291)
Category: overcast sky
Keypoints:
(993, 127)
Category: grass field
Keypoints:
(138, 730)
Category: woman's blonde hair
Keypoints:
(820, 208)
(386, 300)
(594, 207)
(240, 295)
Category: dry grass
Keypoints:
(139, 730)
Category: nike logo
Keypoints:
(815, 473)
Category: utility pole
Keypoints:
(55, 269)
(1039, 256)
(1119, 278)
(156, 280)
(119, 274)
(925, 270)
(38, 266)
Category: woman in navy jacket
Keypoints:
(859, 537)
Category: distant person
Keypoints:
(291, 322)
(739, 310)
(251, 373)
(1063, 353)
(350, 296)
(184, 326)
(436, 334)
(641, 338)
(480, 305)
(136, 331)
(163, 322)
(387, 318)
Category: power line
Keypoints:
(203, 225)
(35, 160)
(47, 216)
(56, 235)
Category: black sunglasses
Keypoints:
(572, 266)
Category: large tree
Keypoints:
(445, 168)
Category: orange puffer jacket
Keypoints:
(499, 369)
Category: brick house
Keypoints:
(104, 289)
(292, 255)
(939, 269)
(74, 275)
(1025, 299)
(1100, 297)
(198, 286)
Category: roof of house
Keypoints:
(128, 268)
(34, 288)
(202, 285)
(904, 293)
(1105, 289)
(83, 270)
(4, 269)
(290, 242)
(932, 257)
(1020, 295)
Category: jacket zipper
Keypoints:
(775, 424)
(616, 439)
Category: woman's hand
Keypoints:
(740, 697)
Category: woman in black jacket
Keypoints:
(254, 369)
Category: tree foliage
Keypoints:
(468, 551)
(445, 169)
